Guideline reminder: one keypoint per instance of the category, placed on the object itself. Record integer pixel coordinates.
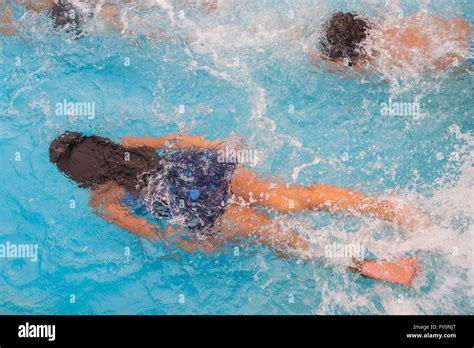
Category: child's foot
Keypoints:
(401, 272)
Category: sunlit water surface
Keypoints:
(242, 70)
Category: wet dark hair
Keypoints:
(66, 16)
(91, 161)
(343, 34)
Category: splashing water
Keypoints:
(242, 69)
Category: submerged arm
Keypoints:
(106, 201)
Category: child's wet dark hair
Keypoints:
(91, 161)
(343, 35)
(66, 16)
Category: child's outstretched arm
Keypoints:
(172, 141)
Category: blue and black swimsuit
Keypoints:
(189, 188)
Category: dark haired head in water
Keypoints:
(91, 161)
(344, 33)
(66, 16)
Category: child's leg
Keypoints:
(286, 199)
(245, 223)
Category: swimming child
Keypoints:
(204, 199)
(70, 15)
(67, 15)
(419, 40)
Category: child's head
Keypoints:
(343, 35)
(66, 16)
(91, 160)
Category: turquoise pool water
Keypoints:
(242, 70)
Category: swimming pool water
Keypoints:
(239, 71)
